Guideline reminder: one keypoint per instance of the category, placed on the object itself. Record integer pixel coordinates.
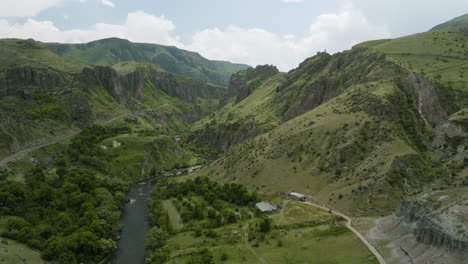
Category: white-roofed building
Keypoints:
(265, 207)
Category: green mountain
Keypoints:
(378, 132)
(108, 52)
(42, 96)
(359, 130)
(454, 23)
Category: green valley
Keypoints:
(116, 152)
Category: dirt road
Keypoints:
(18, 154)
(349, 225)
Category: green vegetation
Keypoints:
(358, 131)
(298, 233)
(13, 252)
(454, 23)
(439, 55)
(70, 208)
(109, 52)
(70, 215)
(201, 203)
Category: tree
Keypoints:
(155, 239)
(265, 225)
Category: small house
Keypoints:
(265, 207)
(297, 196)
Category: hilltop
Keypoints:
(454, 23)
(44, 96)
(360, 130)
(108, 52)
(378, 132)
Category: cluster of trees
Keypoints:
(211, 191)
(84, 147)
(66, 212)
(155, 246)
(71, 216)
(216, 209)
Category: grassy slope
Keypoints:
(339, 152)
(456, 22)
(46, 113)
(16, 53)
(259, 102)
(294, 156)
(301, 241)
(111, 51)
(17, 253)
(440, 55)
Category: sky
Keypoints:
(254, 32)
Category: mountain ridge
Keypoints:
(453, 23)
(110, 51)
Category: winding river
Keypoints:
(131, 246)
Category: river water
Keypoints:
(131, 246)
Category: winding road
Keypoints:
(18, 154)
(349, 225)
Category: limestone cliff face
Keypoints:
(427, 99)
(435, 225)
(100, 76)
(54, 102)
(20, 80)
(186, 89)
(223, 136)
(324, 77)
(243, 83)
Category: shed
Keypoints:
(265, 207)
(297, 196)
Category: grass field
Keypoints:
(174, 215)
(301, 234)
(12, 252)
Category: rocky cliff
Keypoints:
(186, 89)
(109, 52)
(243, 83)
(21, 80)
(317, 80)
(437, 223)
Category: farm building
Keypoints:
(296, 196)
(265, 207)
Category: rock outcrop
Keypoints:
(431, 228)
(243, 83)
(20, 80)
(324, 77)
(186, 89)
(223, 136)
(435, 225)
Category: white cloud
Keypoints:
(107, 3)
(333, 32)
(138, 27)
(25, 8)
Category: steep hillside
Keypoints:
(456, 22)
(43, 97)
(357, 129)
(108, 52)
(360, 130)
(248, 110)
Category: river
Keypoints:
(131, 246)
